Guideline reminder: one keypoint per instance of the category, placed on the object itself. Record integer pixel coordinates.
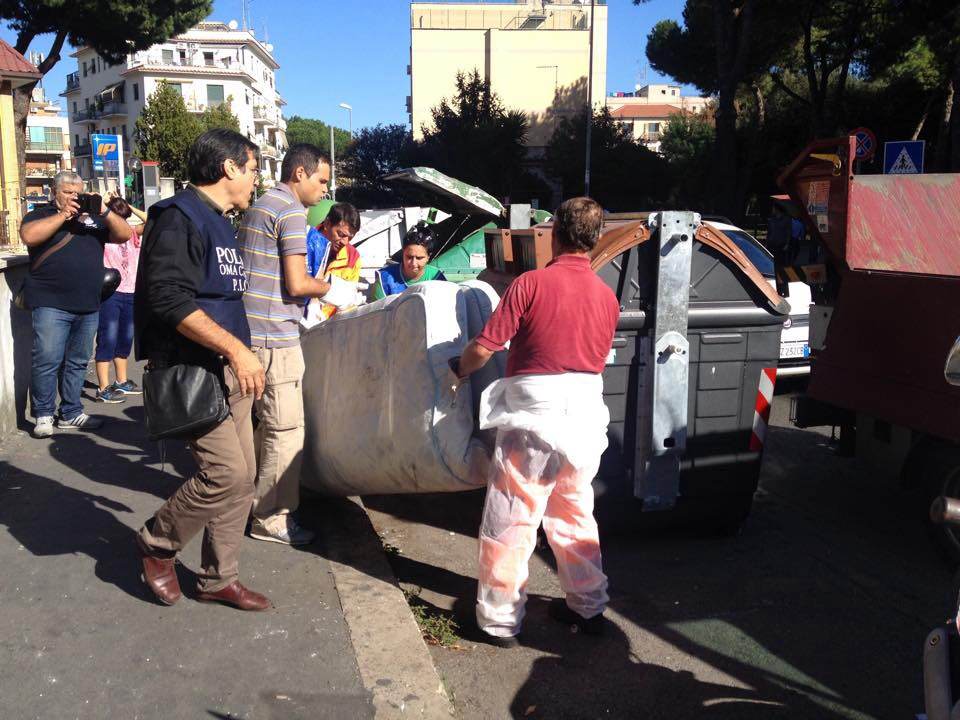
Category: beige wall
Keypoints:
(518, 63)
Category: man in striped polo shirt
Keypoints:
(273, 239)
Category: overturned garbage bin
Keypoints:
(381, 415)
(691, 372)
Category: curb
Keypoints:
(394, 663)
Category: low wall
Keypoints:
(16, 338)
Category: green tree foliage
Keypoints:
(375, 152)
(317, 132)
(165, 130)
(786, 71)
(220, 116)
(687, 146)
(111, 27)
(624, 175)
(475, 139)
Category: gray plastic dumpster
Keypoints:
(699, 329)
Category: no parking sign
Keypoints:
(866, 143)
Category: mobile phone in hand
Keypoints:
(90, 203)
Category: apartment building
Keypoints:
(209, 64)
(647, 110)
(47, 150)
(535, 53)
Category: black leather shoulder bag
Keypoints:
(183, 400)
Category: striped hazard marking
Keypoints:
(761, 411)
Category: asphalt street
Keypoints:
(80, 636)
(817, 609)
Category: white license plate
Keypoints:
(795, 350)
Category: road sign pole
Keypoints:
(121, 185)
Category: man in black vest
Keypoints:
(189, 308)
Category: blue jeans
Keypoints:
(62, 345)
(115, 332)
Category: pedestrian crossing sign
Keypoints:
(903, 157)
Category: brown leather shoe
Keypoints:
(238, 596)
(161, 577)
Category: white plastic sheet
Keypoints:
(379, 416)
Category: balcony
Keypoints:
(268, 150)
(650, 137)
(87, 115)
(73, 82)
(48, 147)
(265, 116)
(113, 109)
(40, 174)
(82, 149)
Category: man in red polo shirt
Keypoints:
(551, 430)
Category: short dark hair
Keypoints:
(344, 212)
(304, 155)
(576, 224)
(420, 234)
(213, 148)
(120, 207)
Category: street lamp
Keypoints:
(349, 117)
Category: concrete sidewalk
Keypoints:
(81, 636)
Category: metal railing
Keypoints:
(73, 81)
(85, 115)
(41, 172)
(82, 149)
(47, 146)
(113, 108)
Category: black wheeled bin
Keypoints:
(698, 340)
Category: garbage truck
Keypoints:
(688, 381)
(883, 317)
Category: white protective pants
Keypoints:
(529, 482)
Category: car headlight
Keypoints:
(788, 323)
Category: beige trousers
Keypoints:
(216, 499)
(279, 436)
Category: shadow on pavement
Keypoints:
(49, 518)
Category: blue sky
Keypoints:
(357, 52)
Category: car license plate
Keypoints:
(795, 350)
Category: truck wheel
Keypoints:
(938, 467)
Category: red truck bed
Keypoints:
(893, 244)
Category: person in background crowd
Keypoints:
(189, 309)
(551, 425)
(338, 228)
(63, 293)
(413, 268)
(273, 239)
(115, 329)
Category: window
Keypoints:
(653, 127)
(74, 107)
(136, 91)
(208, 59)
(755, 252)
(84, 68)
(76, 140)
(93, 67)
(86, 103)
(167, 57)
(177, 88)
(214, 95)
(124, 132)
(183, 57)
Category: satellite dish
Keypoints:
(233, 24)
(269, 47)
